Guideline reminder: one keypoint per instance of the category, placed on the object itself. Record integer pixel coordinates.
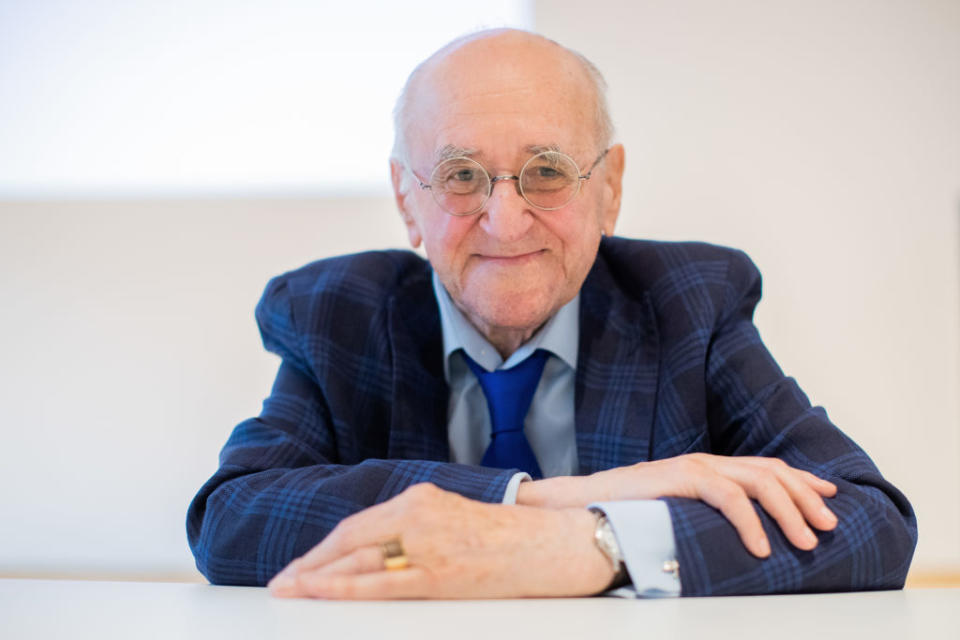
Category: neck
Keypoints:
(505, 340)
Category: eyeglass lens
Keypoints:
(548, 180)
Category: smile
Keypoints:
(518, 259)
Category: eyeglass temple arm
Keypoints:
(595, 163)
(423, 185)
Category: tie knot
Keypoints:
(509, 392)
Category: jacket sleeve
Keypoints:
(754, 410)
(283, 484)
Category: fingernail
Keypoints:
(829, 515)
(810, 538)
(763, 545)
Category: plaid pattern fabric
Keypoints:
(669, 363)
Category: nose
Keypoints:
(506, 216)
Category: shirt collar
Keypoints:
(560, 335)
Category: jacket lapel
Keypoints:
(418, 426)
(617, 373)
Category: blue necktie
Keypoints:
(509, 393)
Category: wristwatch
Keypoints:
(606, 541)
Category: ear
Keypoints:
(613, 188)
(401, 192)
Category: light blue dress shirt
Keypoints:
(642, 527)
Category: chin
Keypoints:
(517, 310)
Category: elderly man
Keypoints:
(539, 410)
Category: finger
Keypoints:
(766, 487)
(825, 488)
(363, 560)
(805, 489)
(808, 499)
(733, 503)
(366, 528)
(381, 585)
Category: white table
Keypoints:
(128, 610)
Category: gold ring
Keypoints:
(394, 557)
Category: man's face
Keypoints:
(509, 266)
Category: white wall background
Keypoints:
(822, 136)
(212, 97)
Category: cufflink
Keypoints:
(672, 567)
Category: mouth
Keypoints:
(511, 260)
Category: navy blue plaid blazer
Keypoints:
(669, 363)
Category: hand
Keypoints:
(791, 496)
(457, 548)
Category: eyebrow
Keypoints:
(534, 149)
(448, 151)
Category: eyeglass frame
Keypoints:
(492, 180)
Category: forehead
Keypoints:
(500, 98)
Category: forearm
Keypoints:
(571, 491)
(870, 548)
(876, 531)
(866, 544)
(554, 493)
(245, 526)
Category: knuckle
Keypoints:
(730, 493)
(357, 561)
(765, 483)
(413, 496)
(689, 466)
(777, 464)
(698, 460)
(345, 530)
(421, 491)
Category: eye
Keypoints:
(457, 172)
(458, 177)
(463, 175)
(548, 172)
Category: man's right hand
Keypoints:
(794, 498)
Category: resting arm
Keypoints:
(754, 410)
(279, 489)
(738, 526)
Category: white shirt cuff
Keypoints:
(644, 532)
(510, 495)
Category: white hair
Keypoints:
(604, 123)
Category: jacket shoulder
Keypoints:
(364, 272)
(698, 275)
(647, 262)
(335, 301)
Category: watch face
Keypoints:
(611, 539)
(607, 541)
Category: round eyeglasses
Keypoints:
(547, 181)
